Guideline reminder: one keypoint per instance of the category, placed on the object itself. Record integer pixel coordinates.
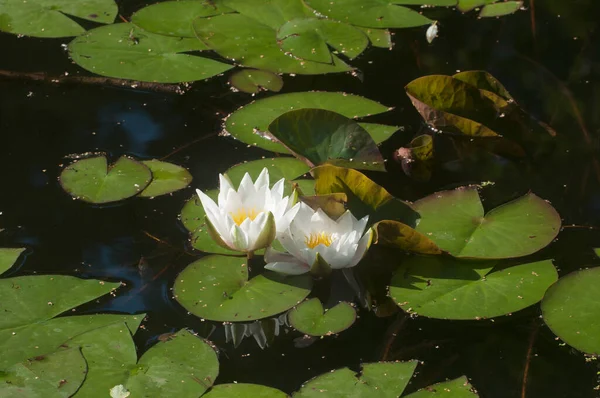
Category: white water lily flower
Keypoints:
(341, 243)
(248, 219)
(119, 391)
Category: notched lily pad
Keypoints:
(457, 388)
(166, 178)
(244, 390)
(92, 180)
(456, 222)
(310, 318)
(8, 257)
(217, 288)
(253, 80)
(126, 51)
(500, 9)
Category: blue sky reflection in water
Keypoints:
(553, 72)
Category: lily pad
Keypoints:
(49, 18)
(8, 256)
(365, 197)
(217, 288)
(318, 136)
(400, 236)
(253, 80)
(281, 167)
(572, 311)
(192, 214)
(468, 5)
(247, 42)
(183, 366)
(166, 178)
(126, 51)
(500, 9)
(309, 318)
(56, 375)
(378, 380)
(310, 39)
(445, 288)
(370, 13)
(174, 18)
(201, 240)
(250, 123)
(333, 204)
(92, 180)
(456, 222)
(457, 388)
(49, 335)
(381, 38)
(417, 157)
(244, 390)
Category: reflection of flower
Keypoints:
(248, 219)
(340, 244)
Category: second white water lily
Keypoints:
(313, 238)
(247, 219)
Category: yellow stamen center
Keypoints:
(313, 240)
(242, 214)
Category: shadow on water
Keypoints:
(552, 68)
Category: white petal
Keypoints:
(233, 202)
(263, 179)
(363, 245)
(246, 187)
(213, 213)
(239, 238)
(284, 222)
(345, 223)
(256, 226)
(273, 256)
(321, 221)
(224, 188)
(277, 190)
(303, 218)
(360, 225)
(291, 243)
(288, 268)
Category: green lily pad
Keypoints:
(56, 375)
(319, 136)
(92, 180)
(456, 222)
(281, 167)
(468, 5)
(457, 388)
(309, 318)
(487, 84)
(192, 214)
(378, 380)
(253, 80)
(8, 256)
(249, 123)
(49, 335)
(182, 366)
(310, 39)
(247, 42)
(370, 13)
(572, 311)
(110, 354)
(306, 186)
(244, 390)
(445, 288)
(365, 197)
(381, 38)
(201, 240)
(166, 178)
(217, 288)
(126, 51)
(597, 251)
(400, 236)
(273, 13)
(48, 18)
(174, 18)
(500, 9)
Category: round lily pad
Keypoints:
(217, 288)
(8, 256)
(309, 318)
(253, 80)
(126, 51)
(92, 180)
(446, 288)
(244, 390)
(166, 178)
(456, 222)
(192, 214)
(247, 123)
(572, 311)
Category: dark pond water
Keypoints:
(548, 57)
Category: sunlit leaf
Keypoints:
(468, 5)
(444, 288)
(333, 204)
(572, 311)
(250, 123)
(166, 178)
(501, 8)
(93, 180)
(49, 18)
(370, 13)
(319, 136)
(456, 222)
(273, 13)
(56, 375)
(182, 366)
(457, 388)
(281, 167)
(126, 51)
(253, 80)
(381, 38)
(8, 256)
(401, 236)
(174, 18)
(217, 288)
(310, 318)
(244, 390)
